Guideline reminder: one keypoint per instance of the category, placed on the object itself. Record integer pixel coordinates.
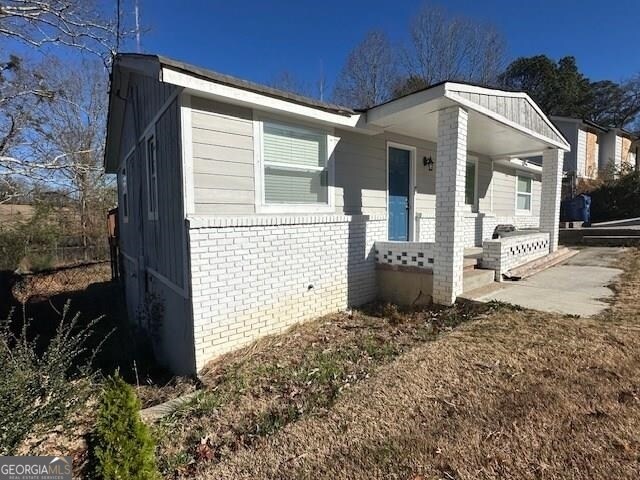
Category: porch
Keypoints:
(498, 160)
(405, 273)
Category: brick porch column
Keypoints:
(552, 161)
(451, 161)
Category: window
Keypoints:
(523, 194)
(152, 179)
(470, 183)
(295, 167)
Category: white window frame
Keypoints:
(152, 179)
(259, 166)
(124, 186)
(520, 211)
(474, 206)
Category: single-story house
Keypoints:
(595, 149)
(244, 209)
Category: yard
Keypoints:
(473, 391)
(470, 392)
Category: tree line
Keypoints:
(55, 55)
(54, 61)
(440, 46)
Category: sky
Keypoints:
(258, 40)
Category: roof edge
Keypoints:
(236, 82)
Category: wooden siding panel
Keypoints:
(149, 96)
(222, 158)
(515, 109)
(504, 191)
(591, 167)
(626, 148)
(164, 237)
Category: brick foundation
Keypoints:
(259, 275)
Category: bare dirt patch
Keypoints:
(512, 394)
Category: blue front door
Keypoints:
(399, 181)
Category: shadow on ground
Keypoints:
(122, 347)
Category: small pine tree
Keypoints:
(123, 445)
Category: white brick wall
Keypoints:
(450, 181)
(410, 254)
(426, 231)
(256, 277)
(506, 253)
(552, 161)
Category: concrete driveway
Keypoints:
(577, 287)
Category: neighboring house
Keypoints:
(596, 149)
(585, 138)
(244, 209)
(619, 149)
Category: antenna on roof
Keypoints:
(137, 12)
(117, 26)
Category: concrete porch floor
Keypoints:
(577, 287)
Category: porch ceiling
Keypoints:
(501, 124)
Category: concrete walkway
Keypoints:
(577, 287)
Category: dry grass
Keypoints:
(513, 394)
(40, 286)
(253, 393)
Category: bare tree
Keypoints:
(76, 139)
(80, 24)
(370, 73)
(288, 81)
(616, 105)
(25, 92)
(443, 47)
(30, 84)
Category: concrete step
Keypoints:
(471, 263)
(611, 240)
(477, 278)
(475, 294)
(561, 255)
(577, 236)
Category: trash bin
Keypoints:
(584, 208)
(577, 209)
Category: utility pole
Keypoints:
(137, 11)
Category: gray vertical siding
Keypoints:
(164, 237)
(157, 247)
(515, 109)
(145, 98)
(570, 132)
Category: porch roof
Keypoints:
(501, 124)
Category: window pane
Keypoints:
(292, 186)
(295, 147)
(470, 184)
(524, 185)
(524, 201)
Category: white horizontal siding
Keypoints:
(222, 158)
(504, 192)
